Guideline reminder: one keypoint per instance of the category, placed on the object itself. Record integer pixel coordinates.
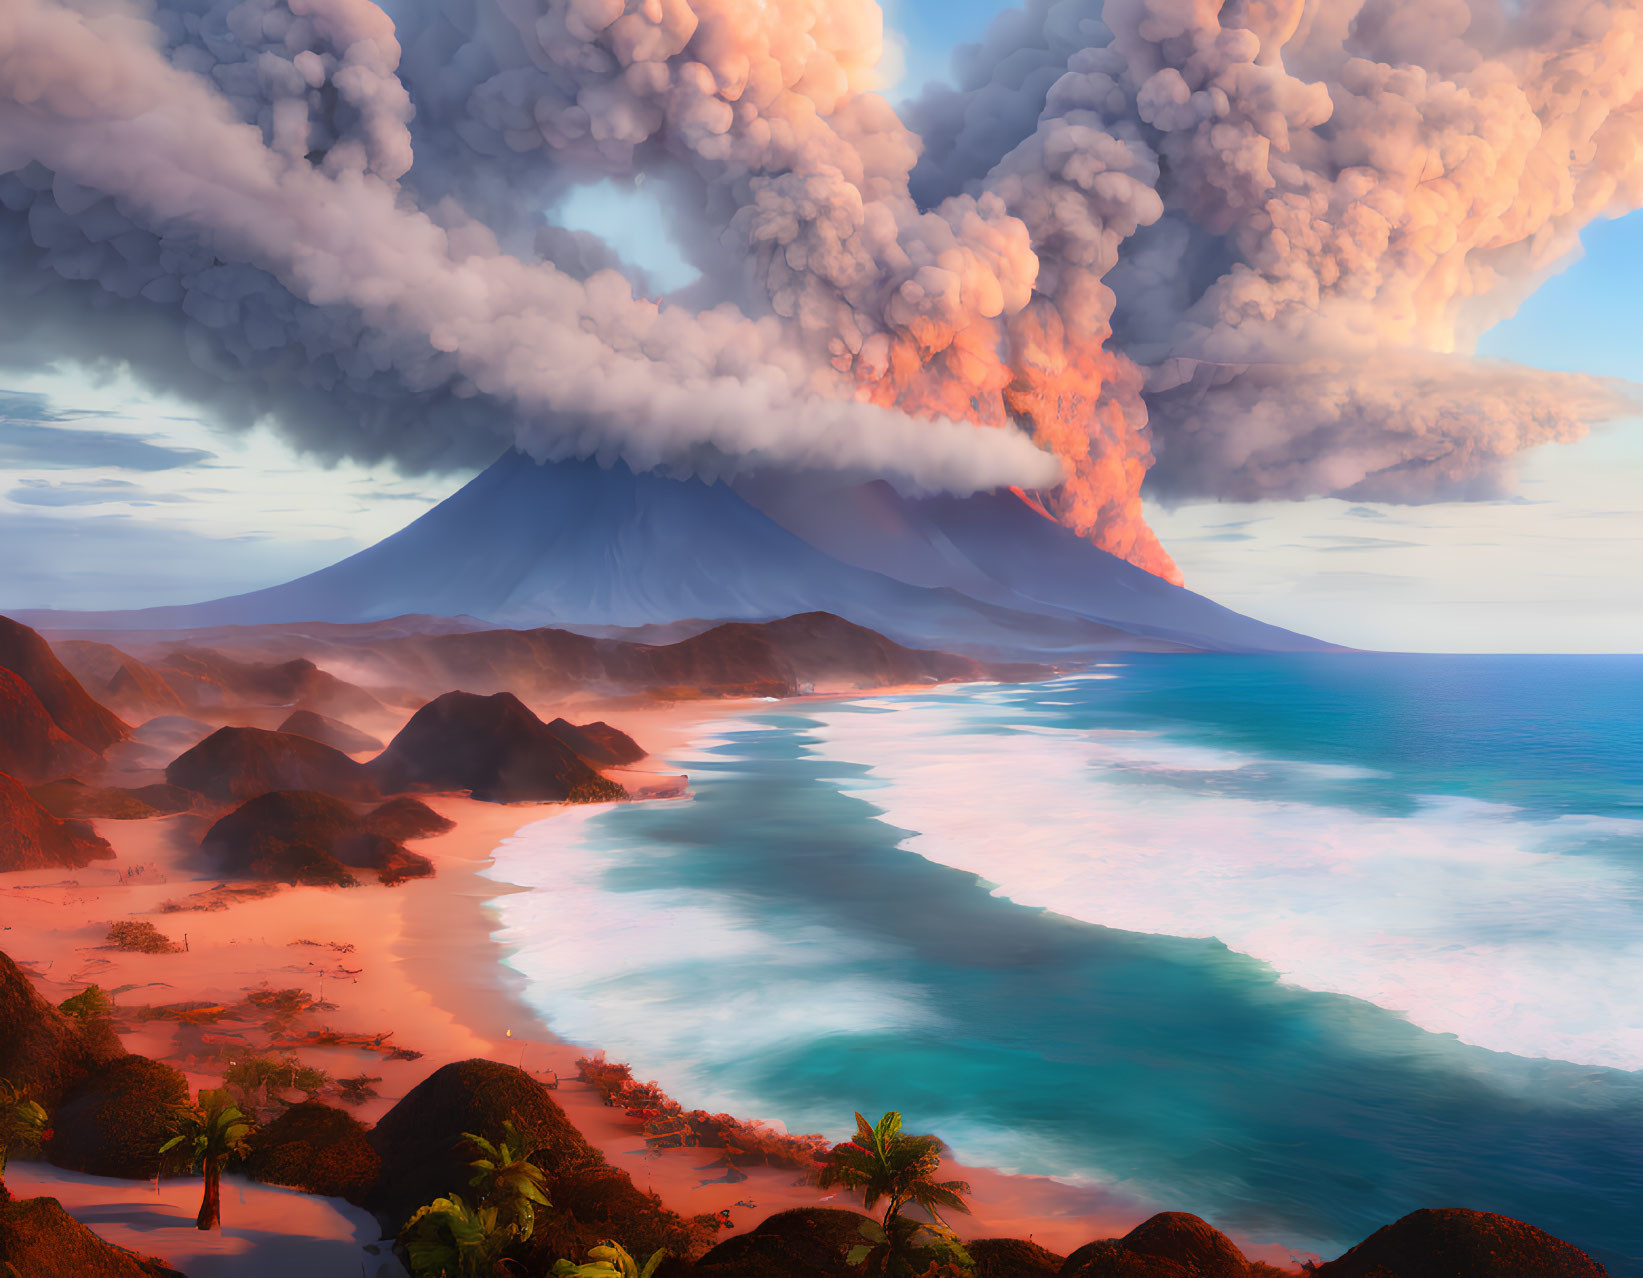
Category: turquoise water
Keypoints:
(1298, 944)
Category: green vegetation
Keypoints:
(138, 936)
(883, 1163)
(257, 1080)
(22, 1122)
(507, 1180)
(452, 1238)
(358, 1089)
(668, 1125)
(609, 1260)
(212, 1133)
(90, 1004)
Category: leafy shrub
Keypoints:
(90, 1004)
(359, 1089)
(596, 790)
(667, 1124)
(138, 936)
(256, 1080)
(284, 1006)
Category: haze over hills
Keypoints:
(576, 545)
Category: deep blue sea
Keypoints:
(1296, 943)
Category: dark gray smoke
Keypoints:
(1248, 246)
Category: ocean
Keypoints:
(1297, 943)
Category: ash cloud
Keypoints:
(1242, 248)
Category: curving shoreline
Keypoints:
(422, 963)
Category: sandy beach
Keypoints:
(413, 966)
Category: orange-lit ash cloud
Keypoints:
(1237, 251)
(1084, 404)
(1076, 398)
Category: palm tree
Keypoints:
(213, 1133)
(507, 1180)
(898, 1168)
(22, 1122)
(883, 1162)
(610, 1260)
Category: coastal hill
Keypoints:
(579, 546)
(407, 660)
(31, 838)
(32, 746)
(30, 658)
(494, 747)
(239, 763)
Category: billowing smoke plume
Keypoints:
(200, 184)
(1272, 228)
(1352, 192)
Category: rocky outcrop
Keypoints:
(70, 706)
(302, 836)
(113, 1121)
(1453, 1243)
(37, 1237)
(237, 763)
(337, 735)
(493, 746)
(31, 838)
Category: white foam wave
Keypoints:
(1465, 917)
(677, 977)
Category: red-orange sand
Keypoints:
(423, 966)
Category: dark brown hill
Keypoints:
(113, 1121)
(67, 798)
(32, 839)
(424, 1155)
(331, 732)
(37, 1237)
(300, 836)
(774, 658)
(600, 744)
(119, 680)
(1012, 1258)
(43, 1051)
(316, 1148)
(806, 1242)
(1453, 1243)
(70, 706)
(493, 746)
(239, 763)
(32, 746)
(407, 818)
(1172, 1244)
(298, 682)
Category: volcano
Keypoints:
(580, 546)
